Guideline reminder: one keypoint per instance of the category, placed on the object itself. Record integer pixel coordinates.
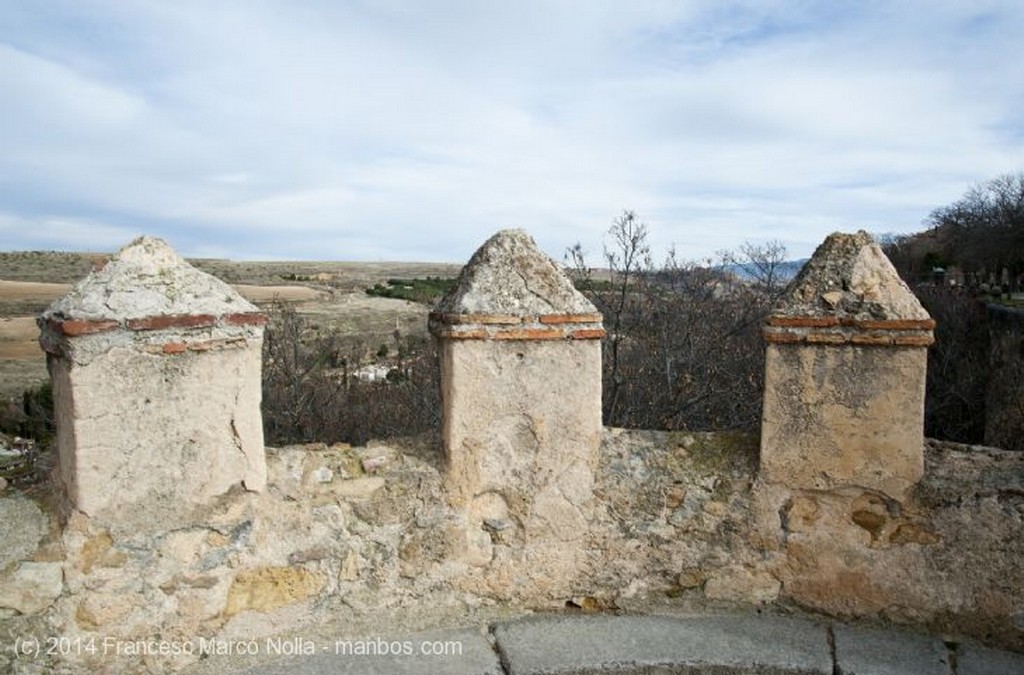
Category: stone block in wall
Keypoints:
(156, 381)
(521, 396)
(845, 374)
(30, 587)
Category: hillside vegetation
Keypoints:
(972, 254)
(982, 234)
(426, 291)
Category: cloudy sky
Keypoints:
(414, 129)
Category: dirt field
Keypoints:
(31, 290)
(330, 294)
(265, 294)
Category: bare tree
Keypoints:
(295, 389)
(958, 365)
(310, 392)
(765, 264)
(628, 258)
(985, 228)
(899, 249)
(684, 347)
(983, 234)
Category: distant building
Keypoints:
(373, 373)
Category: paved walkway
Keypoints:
(599, 644)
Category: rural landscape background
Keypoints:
(333, 291)
(347, 356)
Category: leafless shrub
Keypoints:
(1004, 395)
(684, 348)
(958, 365)
(683, 351)
(311, 391)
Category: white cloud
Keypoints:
(413, 130)
(74, 234)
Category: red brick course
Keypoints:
(508, 327)
(174, 348)
(897, 324)
(171, 321)
(522, 334)
(856, 339)
(207, 345)
(79, 327)
(588, 334)
(570, 318)
(803, 321)
(776, 337)
(825, 338)
(76, 327)
(529, 334)
(850, 322)
(871, 339)
(474, 334)
(849, 330)
(914, 340)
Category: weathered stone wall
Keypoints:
(526, 502)
(679, 520)
(156, 375)
(852, 415)
(515, 427)
(521, 414)
(845, 374)
(947, 556)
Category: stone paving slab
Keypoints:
(589, 645)
(648, 645)
(866, 651)
(974, 660)
(451, 652)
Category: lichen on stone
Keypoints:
(849, 276)
(510, 275)
(147, 278)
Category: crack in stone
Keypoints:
(526, 285)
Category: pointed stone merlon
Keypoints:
(156, 382)
(521, 390)
(845, 374)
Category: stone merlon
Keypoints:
(147, 287)
(156, 372)
(849, 292)
(845, 375)
(510, 290)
